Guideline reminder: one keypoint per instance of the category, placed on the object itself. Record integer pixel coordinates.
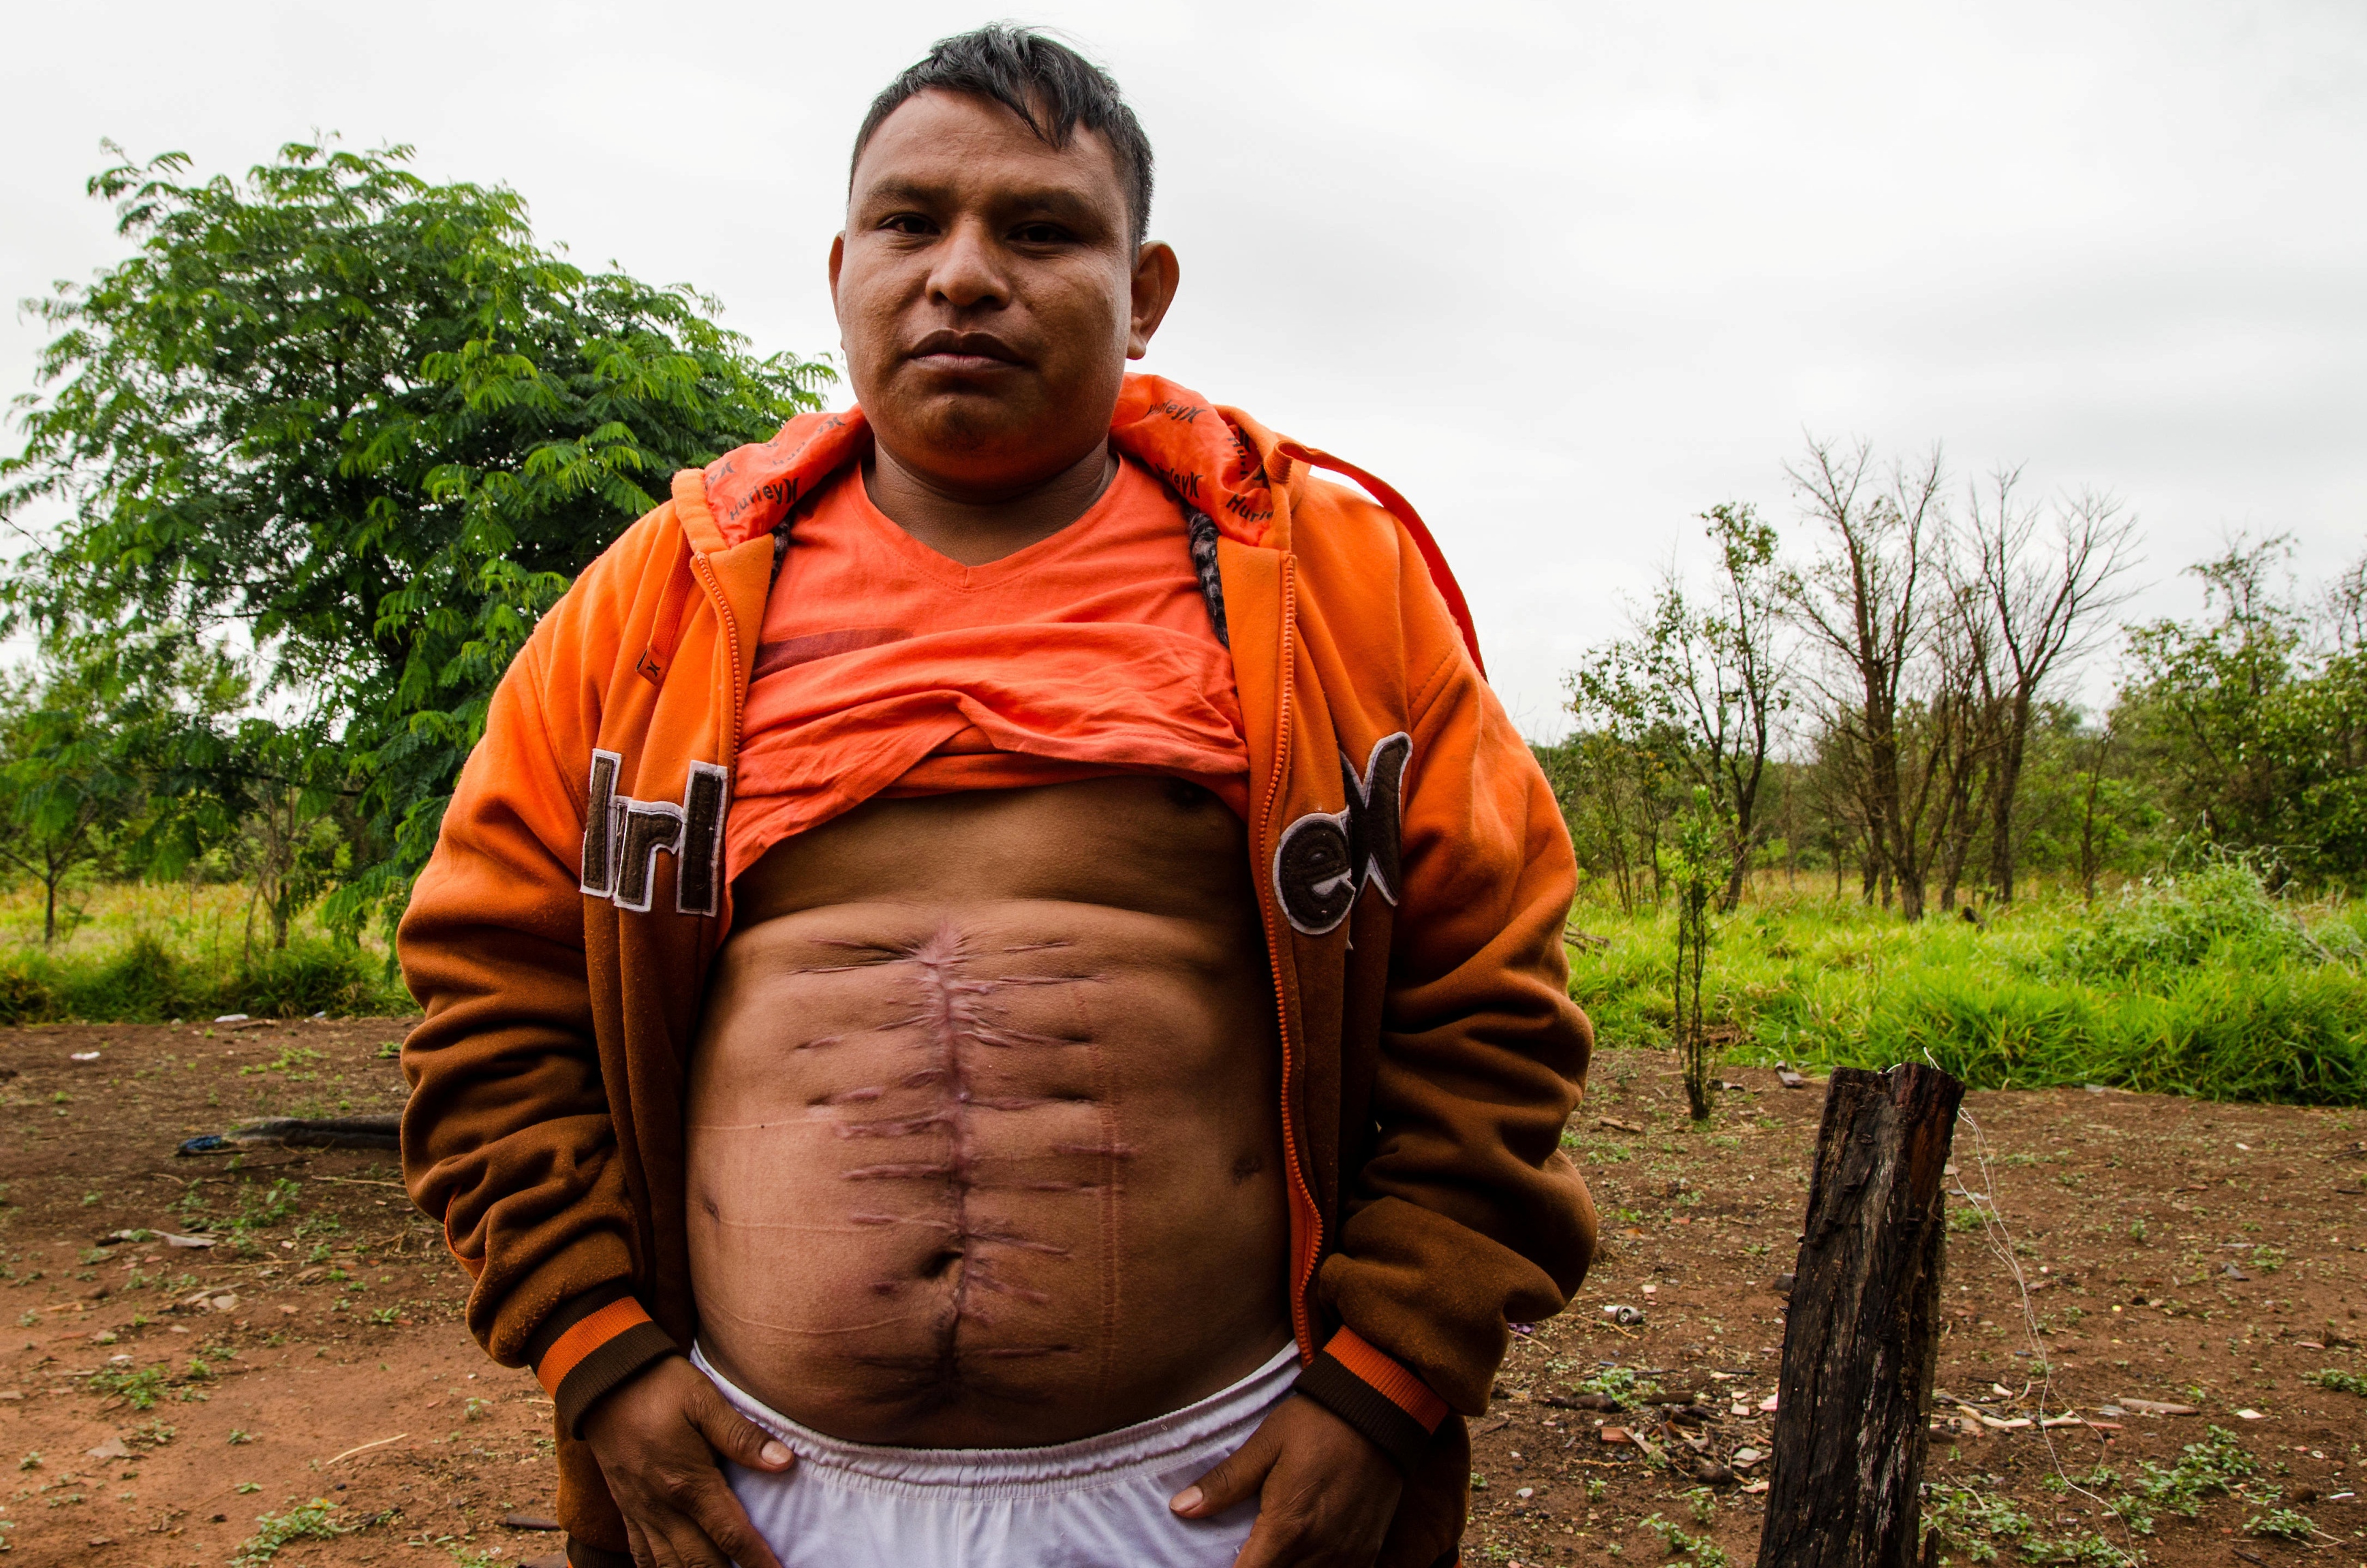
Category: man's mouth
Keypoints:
(961, 353)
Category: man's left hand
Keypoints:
(1326, 1492)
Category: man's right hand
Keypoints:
(656, 1437)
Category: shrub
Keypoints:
(2181, 923)
(146, 982)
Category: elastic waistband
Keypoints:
(1086, 1462)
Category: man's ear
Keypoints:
(837, 259)
(1156, 273)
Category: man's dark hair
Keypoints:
(1045, 83)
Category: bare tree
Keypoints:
(1962, 731)
(1864, 600)
(2042, 578)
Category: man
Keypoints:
(994, 988)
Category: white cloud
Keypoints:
(1566, 275)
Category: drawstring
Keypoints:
(667, 630)
(1433, 557)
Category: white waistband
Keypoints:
(1085, 1462)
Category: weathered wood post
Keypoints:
(1863, 1331)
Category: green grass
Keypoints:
(1978, 1523)
(315, 1520)
(142, 952)
(2205, 986)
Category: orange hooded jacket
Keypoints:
(1414, 876)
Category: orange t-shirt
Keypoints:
(885, 668)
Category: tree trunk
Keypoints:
(2087, 859)
(1902, 858)
(1746, 829)
(1791, 838)
(1863, 1333)
(1960, 850)
(1882, 805)
(50, 909)
(2007, 785)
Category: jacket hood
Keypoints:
(1211, 458)
(1216, 460)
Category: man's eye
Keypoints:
(908, 223)
(1040, 234)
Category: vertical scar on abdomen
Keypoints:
(955, 1017)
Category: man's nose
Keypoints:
(968, 273)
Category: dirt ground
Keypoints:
(2129, 1247)
(168, 1404)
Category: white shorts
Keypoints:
(1096, 1503)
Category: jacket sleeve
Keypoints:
(1466, 1216)
(506, 1138)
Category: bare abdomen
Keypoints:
(986, 1173)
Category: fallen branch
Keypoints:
(367, 1447)
(380, 1132)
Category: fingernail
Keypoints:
(774, 1453)
(1187, 1500)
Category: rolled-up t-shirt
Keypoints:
(885, 668)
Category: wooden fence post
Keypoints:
(1863, 1330)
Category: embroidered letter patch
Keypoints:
(1325, 858)
(623, 837)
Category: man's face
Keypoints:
(989, 294)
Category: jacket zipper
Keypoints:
(730, 758)
(1303, 1265)
(731, 646)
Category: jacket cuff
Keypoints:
(1376, 1396)
(590, 1346)
(583, 1555)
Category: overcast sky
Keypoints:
(1566, 275)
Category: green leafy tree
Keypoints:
(365, 426)
(1700, 685)
(2253, 720)
(296, 828)
(62, 788)
(1615, 776)
(95, 741)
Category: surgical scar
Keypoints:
(956, 1026)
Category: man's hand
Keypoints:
(656, 1437)
(1326, 1492)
